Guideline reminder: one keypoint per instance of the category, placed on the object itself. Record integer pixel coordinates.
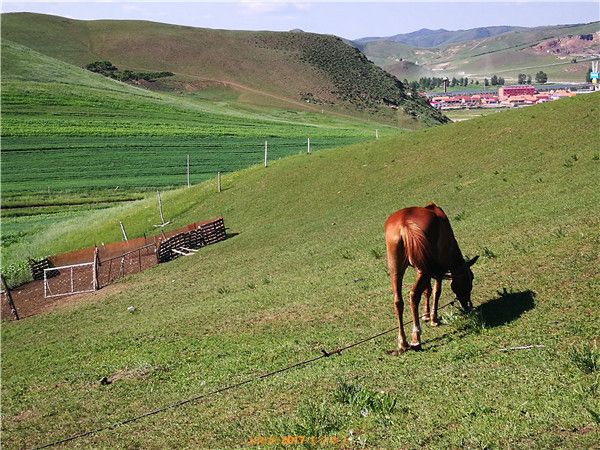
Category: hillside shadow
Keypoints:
(506, 307)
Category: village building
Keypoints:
(510, 91)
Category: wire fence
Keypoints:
(200, 397)
(128, 263)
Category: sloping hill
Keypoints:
(306, 272)
(297, 67)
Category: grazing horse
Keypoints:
(423, 239)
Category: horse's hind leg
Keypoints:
(437, 291)
(421, 283)
(397, 266)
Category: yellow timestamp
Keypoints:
(295, 440)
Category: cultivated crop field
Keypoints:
(304, 271)
(43, 164)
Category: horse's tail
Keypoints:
(416, 246)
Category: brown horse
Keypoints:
(423, 239)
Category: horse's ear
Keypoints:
(472, 261)
(447, 276)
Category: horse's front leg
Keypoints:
(437, 291)
(421, 283)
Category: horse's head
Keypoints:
(462, 284)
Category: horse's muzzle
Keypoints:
(466, 306)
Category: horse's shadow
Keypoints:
(506, 307)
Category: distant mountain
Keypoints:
(562, 51)
(427, 38)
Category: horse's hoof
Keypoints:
(425, 318)
(398, 351)
(434, 323)
(416, 347)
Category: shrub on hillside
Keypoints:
(107, 69)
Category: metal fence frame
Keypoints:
(48, 294)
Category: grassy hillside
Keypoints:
(297, 68)
(305, 272)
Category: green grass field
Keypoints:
(305, 271)
(458, 115)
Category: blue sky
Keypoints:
(346, 19)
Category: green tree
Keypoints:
(541, 77)
(528, 79)
(486, 82)
(105, 68)
(521, 78)
(501, 81)
(494, 80)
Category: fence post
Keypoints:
(109, 270)
(218, 181)
(13, 308)
(162, 218)
(376, 134)
(123, 231)
(188, 172)
(308, 145)
(96, 264)
(266, 152)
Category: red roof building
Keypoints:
(510, 91)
